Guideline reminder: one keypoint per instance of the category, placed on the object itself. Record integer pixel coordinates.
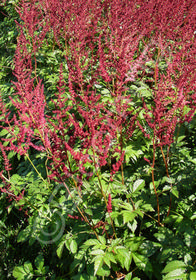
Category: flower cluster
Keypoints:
(103, 44)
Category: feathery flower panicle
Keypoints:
(109, 205)
(7, 164)
(106, 47)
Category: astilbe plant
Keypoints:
(174, 89)
(103, 43)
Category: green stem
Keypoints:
(101, 187)
(81, 212)
(167, 172)
(40, 176)
(157, 197)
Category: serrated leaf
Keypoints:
(98, 264)
(107, 262)
(141, 261)
(21, 202)
(23, 272)
(132, 225)
(128, 216)
(11, 154)
(175, 192)
(39, 263)
(91, 242)
(59, 251)
(23, 235)
(102, 240)
(121, 259)
(174, 218)
(124, 257)
(128, 260)
(147, 207)
(128, 276)
(19, 273)
(28, 267)
(127, 206)
(110, 256)
(138, 185)
(176, 273)
(73, 246)
(3, 132)
(103, 271)
(169, 180)
(97, 252)
(173, 265)
(15, 179)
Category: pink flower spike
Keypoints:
(109, 205)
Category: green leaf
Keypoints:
(147, 207)
(102, 240)
(134, 243)
(193, 276)
(23, 272)
(103, 271)
(97, 252)
(39, 262)
(128, 216)
(98, 263)
(127, 206)
(11, 154)
(2, 224)
(124, 257)
(28, 267)
(138, 185)
(110, 257)
(73, 246)
(173, 265)
(174, 218)
(142, 262)
(19, 272)
(128, 260)
(59, 251)
(128, 276)
(3, 132)
(9, 209)
(91, 242)
(193, 160)
(23, 235)
(175, 192)
(169, 180)
(176, 274)
(132, 225)
(81, 277)
(15, 179)
(107, 262)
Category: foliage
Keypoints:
(97, 140)
(8, 35)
